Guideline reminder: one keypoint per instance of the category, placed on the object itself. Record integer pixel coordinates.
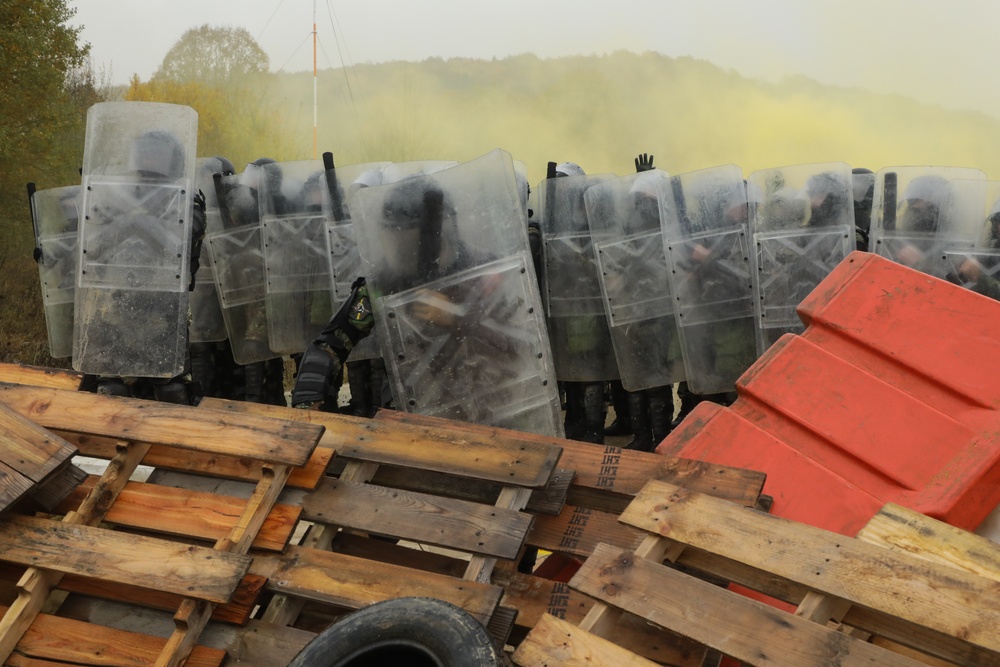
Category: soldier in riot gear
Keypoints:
(920, 212)
(624, 219)
(802, 230)
(212, 365)
(135, 263)
(237, 255)
(454, 301)
(578, 327)
(978, 270)
(705, 216)
(55, 217)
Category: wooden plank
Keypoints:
(607, 476)
(224, 467)
(549, 500)
(908, 531)
(488, 455)
(456, 524)
(556, 642)
(511, 498)
(68, 641)
(13, 486)
(354, 583)
(236, 611)
(38, 376)
(30, 449)
(941, 598)
(193, 614)
(217, 432)
(195, 514)
(35, 584)
(748, 630)
(121, 558)
(577, 530)
(534, 597)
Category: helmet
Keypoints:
(225, 167)
(569, 169)
(157, 153)
(413, 202)
(930, 187)
(924, 199)
(828, 192)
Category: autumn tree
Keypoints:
(214, 56)
(222, 73)
(45, 90)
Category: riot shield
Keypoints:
(801, 230)
(456, 308)
(55, 216)
(237, 253)
(978, 268)
(293, 230)
(207, 324)
(917, 213)
(131, 302)
(578, 326)
(624, 220)
(704, 219)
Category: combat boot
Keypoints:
(594, 413)
(661, 412)
(622, 424)
(642, 436)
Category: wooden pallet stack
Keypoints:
(149, 547)
(907, 591)
(409, 505)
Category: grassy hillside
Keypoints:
(596, 111)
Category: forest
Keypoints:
(597, 111)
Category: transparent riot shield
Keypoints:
(800, 230)
(55, 216)
(704, 219)
(131, 302)
(207, 323)
(578, 326)
(293, 230)
(456, 307)
(978, 268)
(917, 213)
(237, 254)
(624, 220)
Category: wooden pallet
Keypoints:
(882, 584)
(33, 462)
(95, 549)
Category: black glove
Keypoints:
(643, 163)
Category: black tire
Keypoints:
(410, 632)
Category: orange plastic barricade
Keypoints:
(892, 394)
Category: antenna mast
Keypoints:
(315, 124)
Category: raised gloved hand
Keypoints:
(644, 162)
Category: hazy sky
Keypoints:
(937, 51)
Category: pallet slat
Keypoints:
(418, 517)
(745, 629)
(121, 558)
(250, 436)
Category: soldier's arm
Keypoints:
(325, 357)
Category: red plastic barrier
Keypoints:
(892, 394)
